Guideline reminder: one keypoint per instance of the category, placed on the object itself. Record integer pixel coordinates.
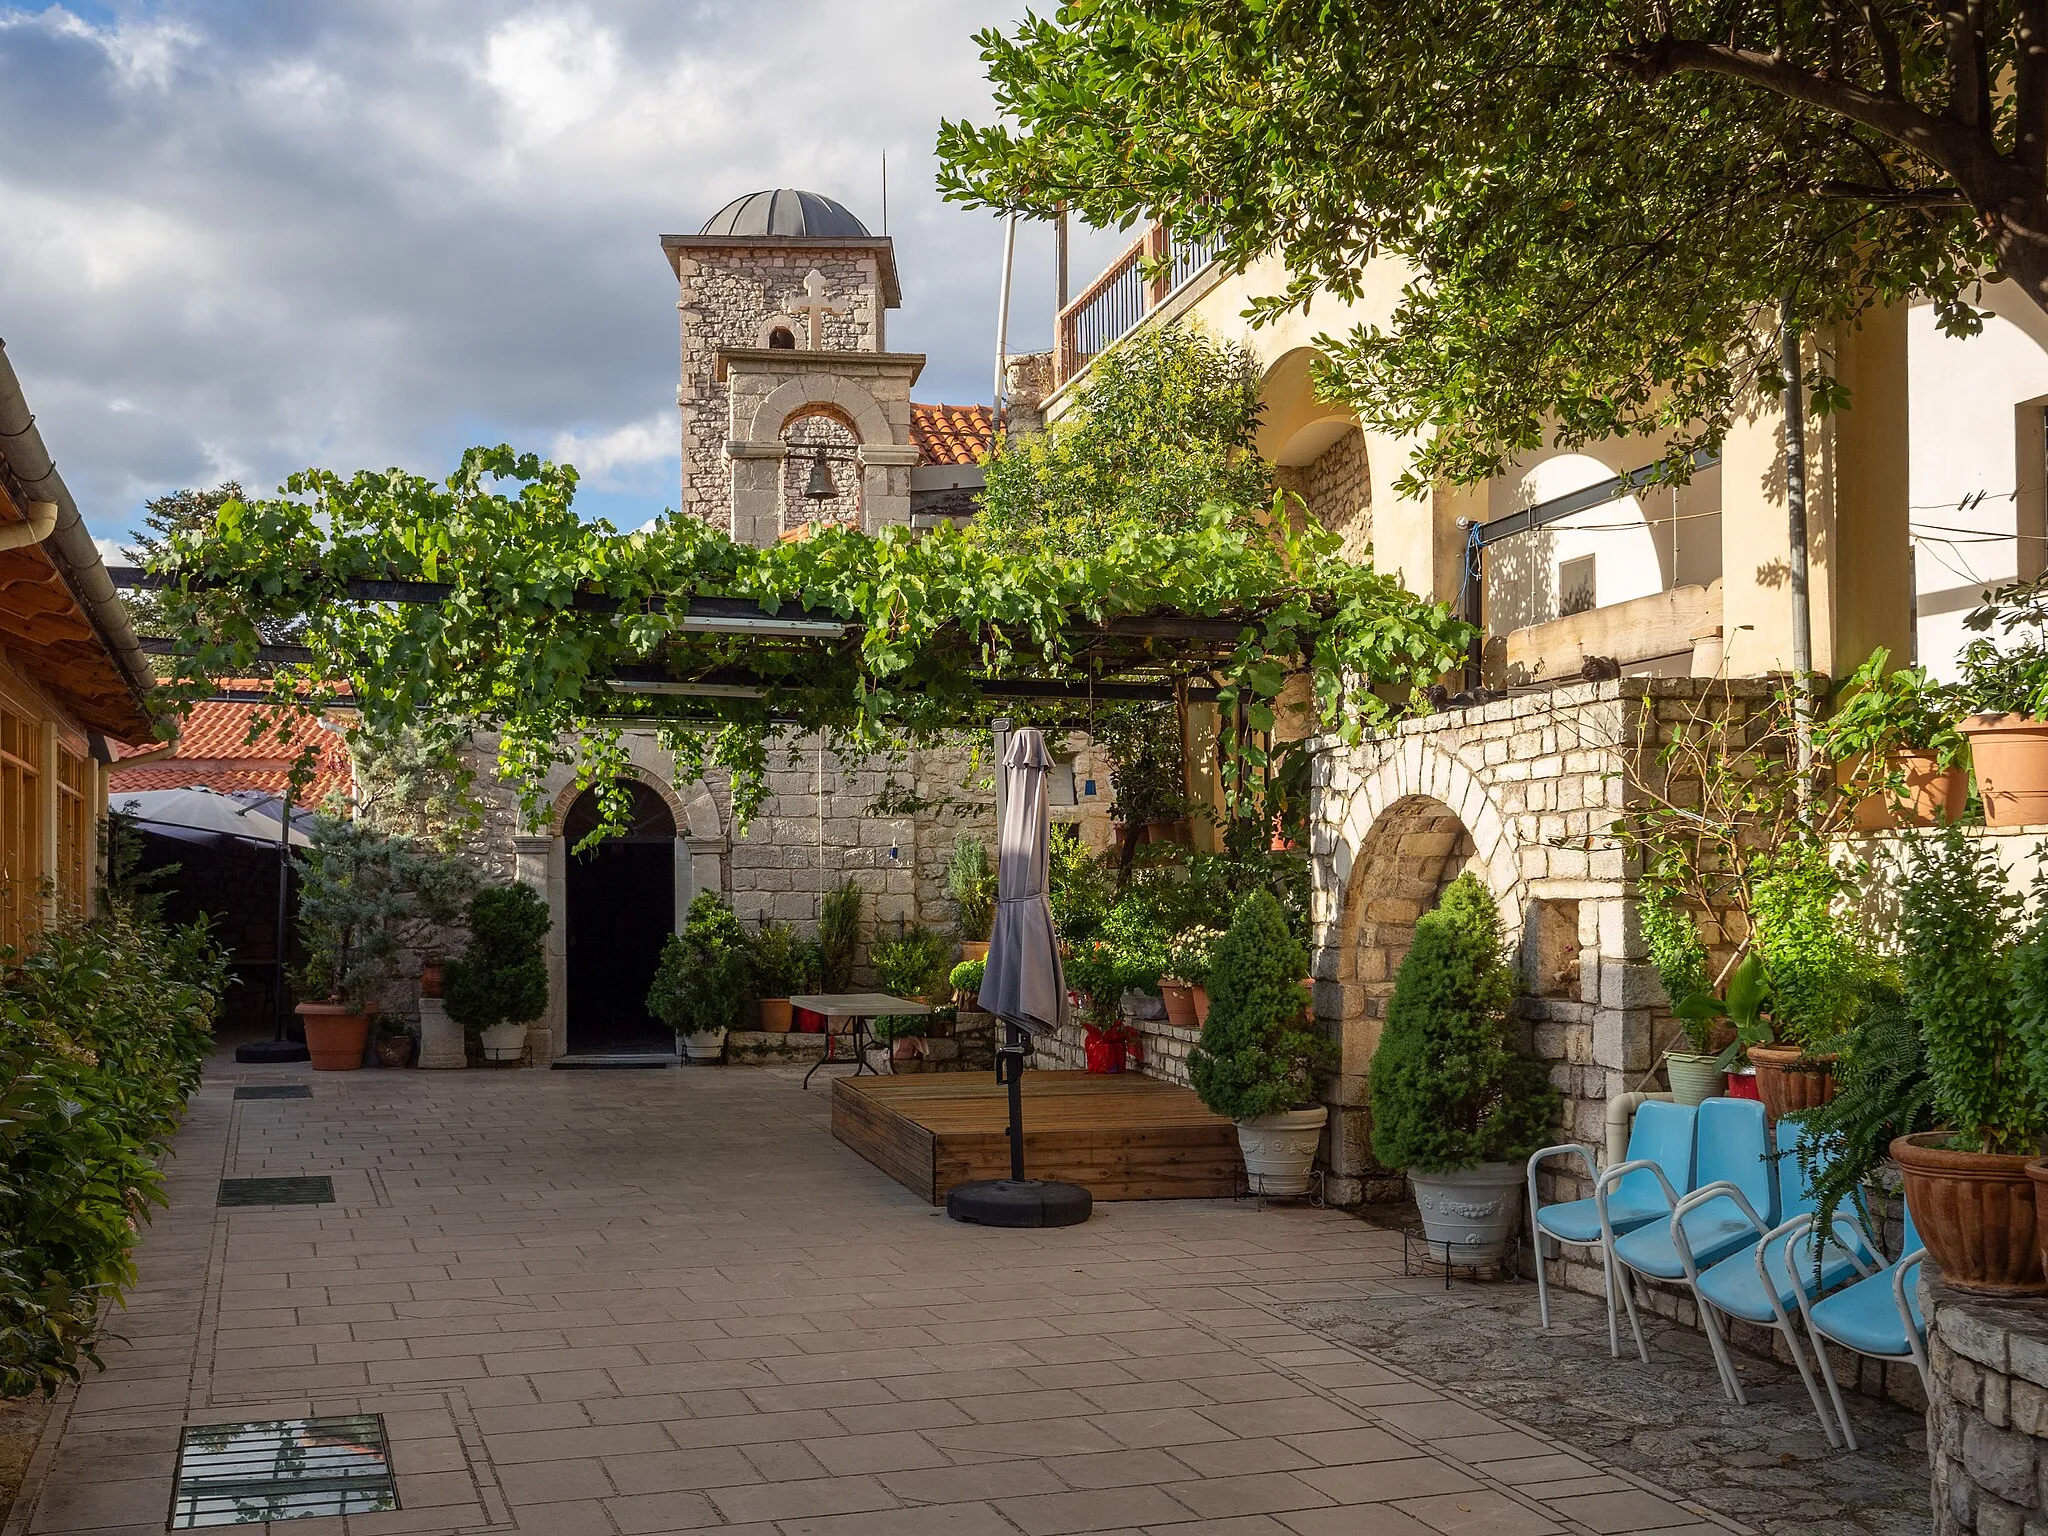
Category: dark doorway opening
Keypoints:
(622, 907)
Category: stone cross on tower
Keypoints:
(815, 309)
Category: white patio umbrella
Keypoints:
(1024, 985)
(202, 810)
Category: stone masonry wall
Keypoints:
(1337, 489)
(1987, 1415)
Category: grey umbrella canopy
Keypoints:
(1024, 983)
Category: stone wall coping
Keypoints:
(791, 361)
(2009, 1337)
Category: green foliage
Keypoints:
(971, 882)
(1816, 951)
(1192, 955)
(1095, 973)
(543, 605)
(912, 964)
(2008, 675)
(1142, 742)
(1591, 204)
(1161, 428)
(1745, 1005)
(782, 964)
(502, 977)
(103, 1027)
(1679, 955)
(416, 786)
(364, 896)
(705, 978)
(1078, 886)
(1956, 922)
(839, 936)
(1258, 1055)
(1878, 713)
(965, 978)
(1448, 1089)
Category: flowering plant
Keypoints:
(1191, 954)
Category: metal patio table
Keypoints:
(859, 1007)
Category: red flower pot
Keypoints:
(1104, 1056)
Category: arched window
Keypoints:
(782, 339)
(808, 435)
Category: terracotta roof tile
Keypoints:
(214, 752)
(951, 434)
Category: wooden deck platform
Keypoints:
(1120, 1137)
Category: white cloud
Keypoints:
(638, 445)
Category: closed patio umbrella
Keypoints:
(1024, 985)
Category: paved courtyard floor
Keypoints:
(637, 1302)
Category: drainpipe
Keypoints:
(42, 520)
(67, 541)
(1620, 1110)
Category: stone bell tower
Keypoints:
(785, 377)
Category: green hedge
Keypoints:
(103, 1028)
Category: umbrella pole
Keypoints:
(1010, 1071)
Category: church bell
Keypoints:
(820, 486)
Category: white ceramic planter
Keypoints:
(505, 1042)
(1474, 1211)
(707, 1045)
(1279, 1150)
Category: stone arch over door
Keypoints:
(1413, 823)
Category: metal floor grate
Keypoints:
(282, 1469)
(275, 1091)
(314, 1190)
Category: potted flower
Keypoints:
(1453, 1102)
(363, 897)
(704, 979)
(500, 982)
(783, 965)
(965, 979)
(1680, 959)
(1259, 1061)
(914, 965)
(1895, 746)
(972, 885)
(1745, 1007)
(1188, 960)
(1106, 1046)
(1979, 1000)
(2007, 688)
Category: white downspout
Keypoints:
(1620, 1110)
(42, 522)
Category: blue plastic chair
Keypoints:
(1732, 1171)
(1767, 1284)
(1878, 1316)
(1659, 1159)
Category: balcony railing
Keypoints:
(1109, 308)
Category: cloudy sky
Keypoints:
(243, 237)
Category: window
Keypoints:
(782, 339)
(21, 828)
(1576, 592)
(74, 832)
(1060, 782)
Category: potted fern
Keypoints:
(702, 984)
(500, 982)
(1260, 1059)
(972, 885)
(1453, 1102)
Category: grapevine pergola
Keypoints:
(486, 604)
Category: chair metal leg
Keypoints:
(1731, 1384)
(1820, 1351)
(1635, 1323)
(1812, 1386)
(1613, 1326)
(1542, 1280)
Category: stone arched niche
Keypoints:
(814, 435)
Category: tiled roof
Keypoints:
(214, 752)
(951, 434)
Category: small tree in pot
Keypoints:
(784, 966)
(1260, 1060)
(1452, 1101)
(971, 882)
(500, 982)
(704, 980)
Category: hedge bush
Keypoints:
(502, 977)
(103, 1028)
(1259, 1053)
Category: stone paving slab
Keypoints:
(646, 1302)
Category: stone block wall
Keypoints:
(1336, 486)
(1987, 1416)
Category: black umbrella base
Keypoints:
(271, 1052)
(1019, 1203)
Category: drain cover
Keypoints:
(317, 1190)
(275, 1091)
(282, 1469)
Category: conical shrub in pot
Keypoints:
(500, 982)
(1260, 1059)
(1453, 1103)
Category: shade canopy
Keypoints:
(201, 810)
(1023, 982)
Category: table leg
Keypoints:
(860, 1050)
(825, 1060)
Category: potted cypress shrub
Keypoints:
(499, 984)
(2007, 687)
(1260, 1060)
(783, 965)
(1453, 1102)
(1967, 1183)
(704, 979)
(972, 885)
(1895, 746)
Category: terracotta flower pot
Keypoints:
(1790, 1081)
(433, 978)
(776, 1015)
(335, 1035)
(1932, 794)
(1179, 998)
(1975, 1212)
(1201, 1006)
(2037, 1172)
(974, 949)
(2011, 755)
(394, 1051)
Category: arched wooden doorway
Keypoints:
(621, 903)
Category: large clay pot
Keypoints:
(974, 949)
(1280, 1150)
(1179, 998)
(504, 1042)
(1694, 1079)
(1932, 794)
(2011, 755)
(1975, 1213)
(1470, 1216)
(776, 1015)
(1201, 1006)
(335, 1035)
(1790, 1081)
